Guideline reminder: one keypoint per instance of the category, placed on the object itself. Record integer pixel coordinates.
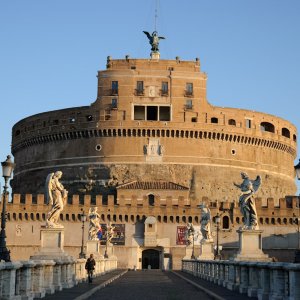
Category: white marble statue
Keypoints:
(56, 196)
(109, 232)
(246, 201)
(190, 233)
(205, 222)
(94, 225)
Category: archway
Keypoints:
(150, 257)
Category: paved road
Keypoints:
(146, 285)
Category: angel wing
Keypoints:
(161, 38)
(256, 183)
(49, 199)
(148, 35)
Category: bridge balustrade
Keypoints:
(264, 280)
(36, 278)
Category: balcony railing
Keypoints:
(139, 92)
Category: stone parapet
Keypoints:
(263, 280)
(35, 278)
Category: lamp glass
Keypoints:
(7, 167)
(83, 217)
(218, 219)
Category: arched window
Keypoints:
(225, 222)
(294, 138)
(214, 120)
(285, 132)
(231, 122)
(151, 200)
(266, 126)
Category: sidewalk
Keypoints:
(85, 289)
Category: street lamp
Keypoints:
(218, 221)
(7, 168)
(83, 219)
(193, 251)
(297, 252)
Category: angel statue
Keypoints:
(246, 201)
(56, 196)
(94, 226)
(190, 233)
(205, 222)
(109, 232)
(154, 40)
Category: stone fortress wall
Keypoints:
(27, 213)
(195, 144)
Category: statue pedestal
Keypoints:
(52, 244)
(155, 55)
(189, 252)
(93, 247)
(206, 250)
(250, 246)
(109, 251)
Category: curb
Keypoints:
(99, 287)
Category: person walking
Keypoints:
(90, 267)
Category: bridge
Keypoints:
(198, 279)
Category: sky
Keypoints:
(50, 51)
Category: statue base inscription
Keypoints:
(206, 250)
(250, 246)
(52, 244)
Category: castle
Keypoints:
(151, 145)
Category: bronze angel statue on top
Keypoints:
(56, 196)
(246, 201)
(154, 40)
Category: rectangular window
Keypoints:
(114, 103)
(164, 88)
(164, 113)
(152, 113)
(189, 89)
(139, 112)
(248, 123)
(140, 87)
(114, 87)
(189, 104)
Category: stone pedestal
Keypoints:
(250, 246)
(155, 55)
(189, 252)
(52, 244)
(109, 251)
(93, 247)
(206, 250)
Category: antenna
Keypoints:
(155, 15)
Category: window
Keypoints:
(189, 89)
(164, 113)
(140, 87)
(152, 113)
(285, 132)
(151, 200)
(214, 120)
(194, 120)
(114, 88)
(248, 123)
(72, 120)
(114, 103)
(231, 122)
(225, 222)
(164, 88)
(139, 112)
(189, 104)
(89, 118)
(266, 126)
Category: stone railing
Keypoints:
(36, 278)
(264, 280)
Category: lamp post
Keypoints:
(83, 219)
(107, 233)
(297, 252)
(193, 251)
(7, 168)
(217, 252)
